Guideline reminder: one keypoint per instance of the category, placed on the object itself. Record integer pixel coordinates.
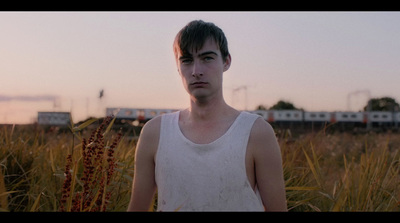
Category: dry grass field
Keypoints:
(90, 168)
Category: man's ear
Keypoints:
(227, 62)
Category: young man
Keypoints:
(209, 157)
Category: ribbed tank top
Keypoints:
(204, 177)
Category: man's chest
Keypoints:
(204, 133)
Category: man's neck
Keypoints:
(210, 110)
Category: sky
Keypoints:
(60, 61)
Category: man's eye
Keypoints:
(208, 58)
(186, 61)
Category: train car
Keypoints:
(141, 115)
(286, 115)
(123, 113)
(286, 119)
(317, 120)
(381, 116)
(381, 119)
(112, 111)
(350, 120)
(280, 115)
(349, 117)
(396, 120)
(54, 118)
(317, 116)
(151, 113)
(283, 119)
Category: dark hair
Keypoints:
(195, 33)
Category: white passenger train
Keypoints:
(380, 119)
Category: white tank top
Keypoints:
(204, 177)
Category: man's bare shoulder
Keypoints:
(150, 134)
(152, 126)
(261, 129)
(262, 138)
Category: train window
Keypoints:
(313, 115)
(322, 115)
(375, 116)
(296, 115)
(288, 115)
(128, 112)
(384, 116)
(345, 116)
(354, 116)
(153, 113)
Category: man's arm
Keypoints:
(268, 166)
(144, 185)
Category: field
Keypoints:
(90, 168)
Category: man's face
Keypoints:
(201, 70)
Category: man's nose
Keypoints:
(197, 70)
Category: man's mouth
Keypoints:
(198, 84)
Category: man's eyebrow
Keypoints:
(186, 56)
(207, 52)
(189, 56)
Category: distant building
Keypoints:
(54, 118)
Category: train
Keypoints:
(139, 115)
(293, 119)
(54, 118)
(343, 121)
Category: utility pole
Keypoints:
(369, 106)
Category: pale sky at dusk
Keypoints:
(312, 59)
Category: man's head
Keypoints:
(201, 53)
(194, 35)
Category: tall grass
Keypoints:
(33, 167)
(75, 170)
(342, 172)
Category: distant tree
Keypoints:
(383, 104)
(261, 107)
(283, 105)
